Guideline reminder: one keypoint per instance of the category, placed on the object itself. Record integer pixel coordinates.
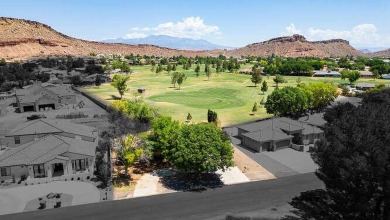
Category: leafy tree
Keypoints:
(181, 78)
(128, 153)
(197, 70)
(98, 80)
(207, 70)
(380, 69)
(212, 116)
(189, 117)
(270, 69)
(164, 134)
(320, 94)
(2, 62)
(94, 69)
(279, 79)
(201, 148)
(353, 164)
(352, 76)
(264, 87)
(256, 77)
(254, 109)
(174, 78)
(103, 170)
(43, 77)
(119, 81)
(288, 101)
(76, 80)
(262, 102)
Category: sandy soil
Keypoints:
(250, 168)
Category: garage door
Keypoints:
(282, 144)
(266, 146)
(29, 108)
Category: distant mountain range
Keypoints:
(371, 49)
(23, 39)
(171, 42)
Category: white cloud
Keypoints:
(360, 35)
(190, 27)
(291, 29)
(135, 35)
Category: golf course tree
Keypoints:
(288, 101)
(352, 76)
(254, 108)
(264, 87)
(180, 79)
(256, 77)
(189, 117)
(262, 102)
(197, 70)
(320, 94)
(119, 81)
(207, 70)
(193, 148)
(174, 78)
(129, 151)
(353, 164)
(212, 116)
(279, 79)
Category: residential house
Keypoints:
(326, 74)
(48, 158)
(277, 133)
(44, 150)
(36, 129)
(365, 86)
(38, 97)
(91, 79)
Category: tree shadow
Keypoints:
(313, 204)
(114, 97)
(189, 181)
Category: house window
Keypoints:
(6, 171)
(39, 170)
(80, 164)
(17, 139)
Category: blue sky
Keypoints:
(365, 23)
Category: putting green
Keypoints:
(213, 98)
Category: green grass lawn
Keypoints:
(231, 95)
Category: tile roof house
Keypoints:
(327, 74)
(44, 150)
(38, 97)
(34, 129)
(277, 133)
(47, 158)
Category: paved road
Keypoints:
(188, 205)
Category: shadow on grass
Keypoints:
(114, 97)
(189, 182)
(252, 86)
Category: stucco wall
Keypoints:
(17, 171)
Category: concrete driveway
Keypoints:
(13, 200)
(301, 162)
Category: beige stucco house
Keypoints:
(46, 150)
(38, 97)
(277, 133)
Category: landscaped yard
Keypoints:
(231, 95)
